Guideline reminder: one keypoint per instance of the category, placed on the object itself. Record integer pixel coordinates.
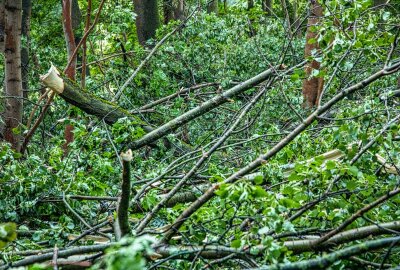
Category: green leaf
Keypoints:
(330, 165)
(353, 170)
(259, 192)
(351, 185)
(288, 203)
(385, 15)
(236, 243)
(8, 233)
(258, 180)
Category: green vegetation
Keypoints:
(260, 181)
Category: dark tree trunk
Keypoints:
(147, 20)
(296, 20)
(250, 4)
(287, 17)
(168, 10)
(267, 6)
(2, 26)
(312, 87)
(179, 10)
(13, 80)
(3, 92)
(76, 15)
(26, 26)
(213, 7)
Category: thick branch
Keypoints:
(299, 246)
(202, 109)
(325, 261)
(61, 254)
(73, 94)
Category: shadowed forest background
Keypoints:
(184, 134)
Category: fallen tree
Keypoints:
(72, 93)
(111, 112)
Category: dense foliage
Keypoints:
(298, 193)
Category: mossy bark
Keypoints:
(87, 102)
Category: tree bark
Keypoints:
(13, 80)
(71, 21)
(2, 26)
(287, 16)
(122, 224)
(179, 10)
(76, 15)
(26, 25)
(168, 10)
(267, 6)
(250, 4)
(312, 87)
(212, 7)
(147, 20)
(69, 36)
(74, 95)
(3, 92)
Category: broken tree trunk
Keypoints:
(73, 94)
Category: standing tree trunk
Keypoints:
(1, 26)
(69, 36)
(312, 87)
(250, 4)
(71, 20)
(267, 6)
(296, 20)
(212, 7)
(147, 20)
(179, 10)
(168, 10)
(287, 17)
(25, 28)
(13, 80)
(2, 104)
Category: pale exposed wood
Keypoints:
(53, 80)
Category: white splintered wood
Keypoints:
(127, 156)
(53, 80)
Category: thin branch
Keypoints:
(148, 57)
